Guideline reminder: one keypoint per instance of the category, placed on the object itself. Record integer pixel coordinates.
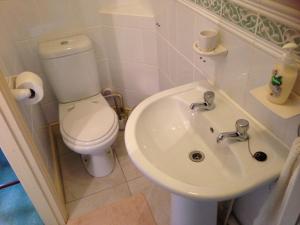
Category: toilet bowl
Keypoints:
(88, 124)
(89, 127)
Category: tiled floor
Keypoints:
(85, 193)
(133, 210)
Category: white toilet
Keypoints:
(88, 124)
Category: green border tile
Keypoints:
(249, 20)
(240, 16)
(277, 33)
(212, 5)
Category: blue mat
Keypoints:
(15, 206)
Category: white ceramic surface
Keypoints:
(66, 61)
(207, 40)
(162, 131)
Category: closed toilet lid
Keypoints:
(88, 121)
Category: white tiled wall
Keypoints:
(131, 49)
(13, 28)
(244, 68)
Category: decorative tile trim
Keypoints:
(234, 13)
(215, 6)
(263, 27)
(277, 33)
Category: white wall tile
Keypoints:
(96, 34)
(124, 43)
(26, 112)
(88, 10)
(10, 60)
(233, 69)
(164, 82)
(181, 71)
(21, 18)
(161, 18)
(41, 137)
(150, 48)
(104, 73)
(37, 117)
(119, 20)
(162, 51)
(198, 75)
(172, 21)
(50, 111)
(147, 23)
(132, 98)
(28, 53)
(136, 77)
(59, 18)
(260, 73)
(207, 65)
(185, 21)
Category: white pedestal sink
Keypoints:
(162, 132)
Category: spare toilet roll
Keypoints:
(29, 80)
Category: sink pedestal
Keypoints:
(192, 212)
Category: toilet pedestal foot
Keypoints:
(99, 165)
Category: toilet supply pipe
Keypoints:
(108, 94)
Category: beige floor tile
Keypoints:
(79, 207)
(78, 183)
(129, 169)
(158, 198)
(130, 211)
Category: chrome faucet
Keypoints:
(208, 103)
(242, 126)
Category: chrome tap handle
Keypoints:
(209, 97)
(242, 126)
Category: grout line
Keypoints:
(105, 189)
(89, 195)
(126, 181)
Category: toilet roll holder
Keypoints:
(19, 93)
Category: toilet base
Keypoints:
(99, 165)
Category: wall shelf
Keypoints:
(220, 50)
(290, 109)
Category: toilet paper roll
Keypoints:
(31, 81)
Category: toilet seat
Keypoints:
(88, 125)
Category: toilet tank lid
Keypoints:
(64, 46)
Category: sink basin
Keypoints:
(162, 132)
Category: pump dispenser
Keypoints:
(284, 76)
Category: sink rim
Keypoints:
(163, 179)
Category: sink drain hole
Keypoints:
(196, 156)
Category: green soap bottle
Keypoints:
(284, 76)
